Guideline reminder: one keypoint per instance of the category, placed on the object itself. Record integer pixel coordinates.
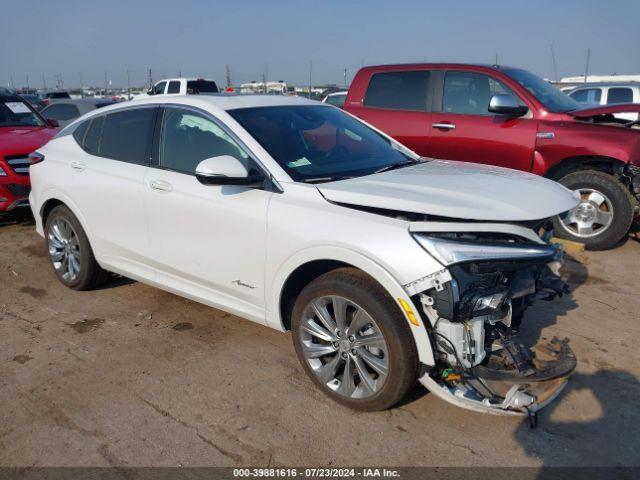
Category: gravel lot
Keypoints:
(129, 375)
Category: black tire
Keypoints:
(90, 274)
(359, 288)
(620, 198)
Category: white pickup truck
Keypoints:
(183, 86)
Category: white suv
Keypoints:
(388, 268)
(183, 86)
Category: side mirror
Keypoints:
(52, 122)
(506, 104)
(225, 170)
(150, 91)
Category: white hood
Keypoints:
(456, 189)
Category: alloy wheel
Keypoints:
(592, 216)
(64, 249)
(344, 347)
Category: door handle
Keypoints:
(446, 126)
(77, 166)
(160, 185)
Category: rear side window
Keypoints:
(62, 111)
(620, 95)
(201, 86)
(126, 135)
(398, 90)
(80, 131)
(174, 87)
(92, 138)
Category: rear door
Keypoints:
(109, 186)
(462, 128)
(398, 103)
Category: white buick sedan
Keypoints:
(387, 268)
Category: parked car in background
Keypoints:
(65, 111)
(592, 94)
(299, 216)
(184, 86)
(512, 118)
(34, 100)
(22, 130)
(336, 99)
(47, 97)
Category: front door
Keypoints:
(207, 241)
(463, 128)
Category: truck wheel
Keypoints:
(353, 341)
(603, 217)
(70, 253)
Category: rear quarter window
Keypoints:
(398, 90)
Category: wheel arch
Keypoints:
(308, 264)
(604, 164)
(51, 200)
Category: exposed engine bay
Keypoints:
(474, 321)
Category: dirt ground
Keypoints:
(131, 376)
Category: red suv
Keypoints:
(22, 130)
(511, 118)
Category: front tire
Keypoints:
(353, 341)
(603, 217)
(70, 252)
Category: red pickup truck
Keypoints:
(512, 118)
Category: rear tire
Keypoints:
(605, 214)
(70, 252)
(375, 343)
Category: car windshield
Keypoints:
(320, 143)
(16, 113)
(552, 98)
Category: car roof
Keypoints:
(81, 101)
(406, 66)
(219, 101)
(606, 84)
(188, 79)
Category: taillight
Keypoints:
(35, 157)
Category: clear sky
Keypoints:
(198, 37)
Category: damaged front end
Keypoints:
(473, 315)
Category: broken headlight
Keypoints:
(449, 252)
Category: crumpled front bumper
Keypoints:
(514, 393)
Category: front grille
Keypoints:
(19, 190)
(19, 163)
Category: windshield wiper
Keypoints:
(325, 179)
(395, 166)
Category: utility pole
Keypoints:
(310, 70)
(344, 74)
(496, 59)
(11, 81)
(586, 70)
(128, 86)
(265, 76)
(105, 83)
(555, 68)
(28, 82)
(228, 74)
(150, 79)
(44, 83)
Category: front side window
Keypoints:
(62, 111)
(587, 95)
(16, 113)
(174, 87)
(188, 138)
(126, 135)
(159, 88)
(619, 95)
(319, 143)
(398, 90)
(469, 93)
